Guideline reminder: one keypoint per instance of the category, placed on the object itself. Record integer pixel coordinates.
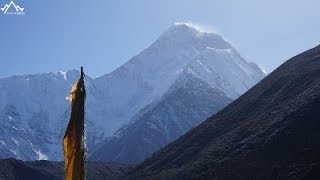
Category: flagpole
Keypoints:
(82, 73)
(73, 141)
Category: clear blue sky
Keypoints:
(101, 35)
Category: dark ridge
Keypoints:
(12, 169)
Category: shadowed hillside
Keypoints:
(11, 169)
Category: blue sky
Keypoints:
(101, 35)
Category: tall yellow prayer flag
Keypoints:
(73, 140)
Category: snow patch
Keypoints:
(40, 155)
(15, 141)
(14, 152)
(3, 143)
(263, 69)
(64, 74)
(190, 71)
(152, 126)
(205, 67)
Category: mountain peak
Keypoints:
(187, 37)
(192, 27)
(186, 27)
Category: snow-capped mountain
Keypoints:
(34, 112)
(147, 76)
(209, 77)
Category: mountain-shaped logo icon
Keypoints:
(12, 8)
